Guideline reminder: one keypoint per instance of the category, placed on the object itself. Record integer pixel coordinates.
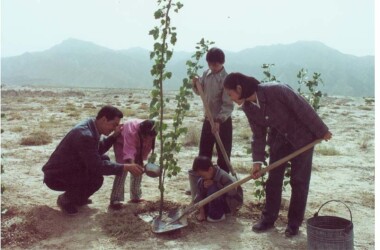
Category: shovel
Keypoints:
(216, 134)
(177, 218)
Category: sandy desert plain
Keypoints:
(343, 169)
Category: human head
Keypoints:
(239, 86)
(202, 166)
(215, 59)
(147, 128)
(108, 119)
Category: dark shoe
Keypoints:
(262, 226)
(116, 205)
(85, 202)
(66, 206)
(291, 231)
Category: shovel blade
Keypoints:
(169, 222)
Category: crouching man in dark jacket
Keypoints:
(78, 163)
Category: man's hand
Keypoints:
(195, 80)
(216, 128)
(117, 130)
(327, 136)
(256, 171)
(134, 168)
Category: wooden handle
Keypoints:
(217, 136)
(262, 171)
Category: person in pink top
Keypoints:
(133, 145)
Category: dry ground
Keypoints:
(343, 169)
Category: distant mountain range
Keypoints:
(76, 63)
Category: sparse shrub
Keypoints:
(74, 114)
(243, 167)
(14, 116)
(36, 138)
(192, 114)
(364, 142)
(16, 129)
(245, 134)
(144, 107)
(361, 107)
(129, 112)
(369, 101)
(89, 106)
(70, 107)
(192, 137)
(325, 150)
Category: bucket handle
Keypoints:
(349, 228)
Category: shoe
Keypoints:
(85, 202)
(291, 231)
(116, 205)
(216, 220)
(136, 200)
(262, 226)
(66, 206)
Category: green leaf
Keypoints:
(158, 14)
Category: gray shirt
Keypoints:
(218, 101)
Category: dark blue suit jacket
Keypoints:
(80, 151)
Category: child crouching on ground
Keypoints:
(212, 179)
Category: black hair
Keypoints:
(248, 84)
(147, 128)
(215, 55)
(109, 112)
(202, 163)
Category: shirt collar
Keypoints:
(97, 134)
(209, 72)
(257, 103)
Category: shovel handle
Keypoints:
(262, 171)
(212, 123)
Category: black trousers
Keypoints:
(78, 186)
(208, 141)
(299, 182)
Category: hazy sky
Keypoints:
(36, 25)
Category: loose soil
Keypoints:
(343, 169)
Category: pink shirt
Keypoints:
(127, 145)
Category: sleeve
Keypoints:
(129, 145)
(89, 155)
(226, 109)
(200, 194)
(259, 139)
(105, 144)
(201, 80)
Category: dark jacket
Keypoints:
(80, 151)
(222, 179)
(285, 116)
